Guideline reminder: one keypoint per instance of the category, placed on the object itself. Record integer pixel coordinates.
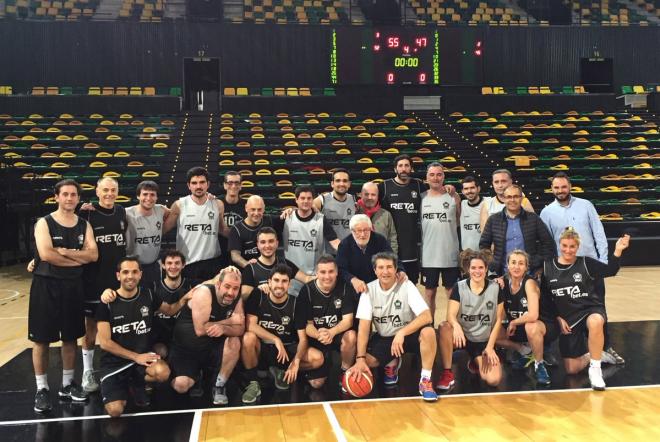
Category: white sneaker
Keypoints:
(89, 382)
(596, 378)
(607, 358)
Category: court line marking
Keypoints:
(303, 404)
(16, 293)
(334, 423)
(196, 426)
(14, 317)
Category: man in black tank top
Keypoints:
(234, 209)
(65, 242)
(276, 333)
(169, 290)
(208, 331)
(331, 304)
(109, 224)
(258, 272)
(125, 324)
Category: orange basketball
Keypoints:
(359, 387)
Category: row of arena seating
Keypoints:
(174, 91)
(279, 92)
(143, 10)
(444, 12)
(547, 90)
(295, 11)
(47, 148)
(605, 12)
(50, 10)
(612, 158)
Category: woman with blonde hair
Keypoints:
(568, 281)
(529, 325)
(474, 318)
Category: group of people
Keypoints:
(344, 279)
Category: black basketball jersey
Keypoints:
(571, 289)
(184, 329)
(131, 320)
(327, 310)
(403, 202)
(234, 214)
(109, 227)
(68, 238)
(258, 273)
(244, 238)
(515, 304)
(283, 320)
(162, 322)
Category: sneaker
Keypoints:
(220, 395)
(427, 391)
(278, 376)
(251, 393)
(472, 366)
(446, 381)
(596, 378)
(607, 358)
(89, 382)
(140, 396)
(42, 401)
(549, 356)
(522, 361)
(617, 358)
(541, 373)
(392, 373)
(74, 392)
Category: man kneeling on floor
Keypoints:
(124, 320)
(403, 325)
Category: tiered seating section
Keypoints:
(612, 158)
(105, 90)
(605, 12)
(142, 10)
(295, 11)
(47, 149)
(50, 10)
(278, 152)
(279, 92)
(650, 6)
(443, 12)
(531, 90)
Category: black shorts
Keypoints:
(475, 349)
(551, 332)
(203, 270)
(380, 347)
(412, 270)
(268, 354)
(575, 344)
(161, 334)
(189, 363)
(151, 274)
(56, 310)
(431, 276)
(116, 381)
(324, 370)
(93, 291)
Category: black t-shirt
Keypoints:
(404, 202)
(244, 238)
(130, 321)
(328, 309)
(109, 227)
(234, 214)
(257, 273)
(164, 324)
(283, 319)
(515, 304)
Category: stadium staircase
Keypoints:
(107, 10)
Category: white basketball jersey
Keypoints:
(198, 229)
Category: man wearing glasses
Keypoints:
(514, 228)
(234, 207)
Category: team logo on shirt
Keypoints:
(337, 303)
(523, 302)
(348, 212)
(158, 225)
(211, 215)
(397, 304)
(489, 305)
(81, 239)
(229, 313)
(144, 311)
(121, 225)
(413, 194)
(313, 232)
(286, 320)
(577, 277)
(445, 205)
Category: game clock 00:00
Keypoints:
(404, 57)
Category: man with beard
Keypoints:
(125, 324)
(502, 179)
(243, 235)
(145, 230)
(275, 333)
(580, 214)
(402, 196)
(199, 219)
(337, 206)
(109, 223)
(381, 219)
(470, 214)
(208, 331)
(234, 207)
(256, 274)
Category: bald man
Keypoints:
(381, 219)
(243, 236)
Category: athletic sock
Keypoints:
(594, 363)
(88, 359)
(220, 381)
(251, 374)
(537, 363)
(67, 377)
(525, 350)
(42, 381)
(426, 374)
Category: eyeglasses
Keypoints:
(361, 231)
(512, 197)
(233, 183)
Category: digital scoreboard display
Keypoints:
(387, 56)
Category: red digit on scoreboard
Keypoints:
(393, 42)
(422, 77)
(421, 42)
(390, 77)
